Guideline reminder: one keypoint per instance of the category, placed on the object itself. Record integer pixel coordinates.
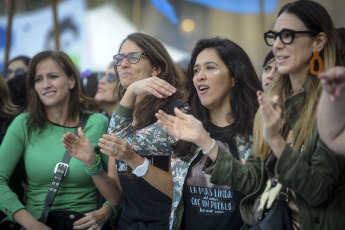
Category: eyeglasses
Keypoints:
(133, 57)
(110, 77)
(286, 36)
(7, 72)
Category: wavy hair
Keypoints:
(7, 109)
(315, 17)
(170, 72)
(242, 99)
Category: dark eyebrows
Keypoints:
(206, 63)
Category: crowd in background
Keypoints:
(209, 145)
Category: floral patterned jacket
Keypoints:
(149, 141)
(179, 173)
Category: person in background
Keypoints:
(288, 154)
(106, 93)
(18, 92)
(89, 82)
(224, 100)
(55, 107)
(8, 111)
(331, 109)
(16, 66)
(269, 70)
(139, 172)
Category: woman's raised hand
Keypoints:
(80, 148)
(183, 126)
(152, 86)
(333, 81)
(271, 114)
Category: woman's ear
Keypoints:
(320, 41)
(156, 71)
(71, 82)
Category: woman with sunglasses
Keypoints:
(139, 166)
(288, 155)
(107, 91)
(16, 66)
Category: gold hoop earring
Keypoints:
(316, 58)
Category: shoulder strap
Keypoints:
(61, 170)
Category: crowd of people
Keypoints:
(157, 146)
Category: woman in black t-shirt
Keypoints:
(223, 99)
(141, 175)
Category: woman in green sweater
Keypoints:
(55, 107)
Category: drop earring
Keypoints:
(316, 58)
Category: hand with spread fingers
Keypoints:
(114, 146)
(333, 81)
(80, 148)
(182, 126)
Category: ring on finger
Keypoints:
(115, 151)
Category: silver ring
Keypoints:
(115, 152)
(90, 228)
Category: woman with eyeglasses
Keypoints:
(107, 91)
(288, 158)
(139, 170)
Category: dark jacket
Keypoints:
(316, 175)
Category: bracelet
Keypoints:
(116, 209)
(210, 149)
(96, 168)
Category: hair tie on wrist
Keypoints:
(210, 149)
(96, 168)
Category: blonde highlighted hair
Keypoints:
(315, 18)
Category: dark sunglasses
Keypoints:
(133, 57)
(7, 72)
(110, 77)
(286, 36)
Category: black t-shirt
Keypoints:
(208, 206)
(142, 202)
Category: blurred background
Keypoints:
(91, 31)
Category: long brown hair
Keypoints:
(170, 72)
(7, 109)
(78, 102)
(315, 18)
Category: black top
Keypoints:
(144, 206)
(142, 203)
(206, 205)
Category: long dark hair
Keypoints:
(242, 100)
(170, 72)
(78, 102)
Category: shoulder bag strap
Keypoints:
(61, 170)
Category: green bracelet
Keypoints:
(96, 168)
(116, 208)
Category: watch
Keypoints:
(141, 169)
